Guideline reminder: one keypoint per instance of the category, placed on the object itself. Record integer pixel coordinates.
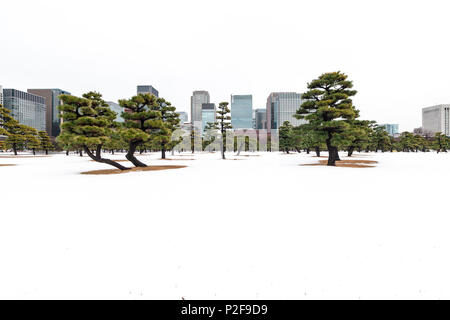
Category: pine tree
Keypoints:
(16, 138)
(88, 122)
(223, 124)
(162, 136)
(328, 108)
(357, 135)
(44, 142)
(440, 142)
(286, 136)
(379, 139)
(5, 119)
(31, 139)
(309, 139)
(140, 117)
(9, 127)
(406, 142)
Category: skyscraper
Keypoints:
(391, 129)
(117, 109)
(1, 95)
(436, 119)
(29, 109)
(281, 106)
(241, 111)
(197, 100)
(183, 116)
(260, 119)
(52, 101)
(147, 89)
(208, 114)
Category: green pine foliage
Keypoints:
(141, 119)
(379, 139)
(44, 142)
(223, 124)
(308, 139)
(441, 142)
(286, 137)
(162, 135)
(357, 136)
(88, 123)
(328, 108)
(31, 139)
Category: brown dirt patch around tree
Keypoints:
(7, 165)
(117, 171)
(176, 159)
(347, 163)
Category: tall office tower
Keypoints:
(117, 109)
(436, 119)
(52, 118)
(281, 106)
(391, 129)
(241, 111)
(183, 116)
(29, 109)
(208, 114)
(197, 100)
(1, 95)
(148, 89)
(260, 119)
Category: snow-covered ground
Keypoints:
(262, 227)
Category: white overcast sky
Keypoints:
(396, 52)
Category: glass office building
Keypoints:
(183, 116)
(241, 111)
(198, 98)
(147, 89)
(117, 109)
(29, 109)
(52, 102)
(208, 114)
(260, 119)
(392, 129)
(281, 107)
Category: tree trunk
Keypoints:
(163, 152)
(130, 156)
(101, 160)
(332, 152)
(350, 151)
(67, 152)
(307, 150)
(14, 149)
(81, 153)
(336, 154)
(222, 148)
(317, 151)
(98, 151)
(46, 151)
(34, 152)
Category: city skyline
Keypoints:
(283, 102)
(379, 56)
